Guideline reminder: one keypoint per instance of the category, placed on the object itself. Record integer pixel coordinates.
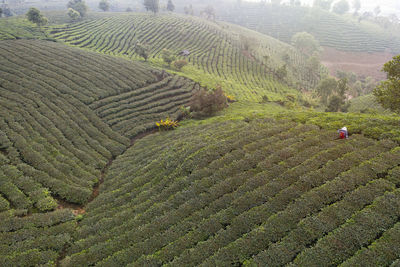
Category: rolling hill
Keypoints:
(268, 192)
(84, 181)
(217, 54)
(65, 114)
(331, 30)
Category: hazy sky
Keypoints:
(387, 6)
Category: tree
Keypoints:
(324, 4)
(79, 6)
(152, 5)
(377, 10)
(104, 5)
(325, 88)
(167, 56)
(188, 10)
(313, 65)
(7, 11)
(341, 7)
(209, 12)
(34, 15)
(170, 6)
(205, 103)
(305, 42)
(281, 72)
(73, 14)
(142, 50)
(337, 102)
(179, 64)
(249, 43)
(387, 92)
(1, 12)
(356, 6)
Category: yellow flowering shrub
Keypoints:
(167, 124)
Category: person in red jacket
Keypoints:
(343, 133)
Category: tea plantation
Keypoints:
(332, 30)
(86, 181)
(258, 192)
(53, 145)
(216, 55)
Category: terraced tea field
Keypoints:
(282, 22)
(257, 192)
(18, 28)
(83, 183)
(54, 148)
(216, 52)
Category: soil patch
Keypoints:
(361, 63)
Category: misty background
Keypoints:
(387, 7)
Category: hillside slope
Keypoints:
(65, 114)
(217, 54)
(263, 191)
(332, 30)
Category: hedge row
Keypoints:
(332, 30)
(221, 196)
(214, 51)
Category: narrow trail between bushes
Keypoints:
(81, 209)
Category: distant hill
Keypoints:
(217, 54)
(340, 32)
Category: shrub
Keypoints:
(167, 124)
(167, 56)
(179, 64)
(206, 103)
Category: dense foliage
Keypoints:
(388, 92)
(216, 55)
(63, 111)
(36, 17)
(261, 191)
(19, 28)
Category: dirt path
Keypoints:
(81, 209)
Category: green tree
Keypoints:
(152, 5)
(142, 50)
(167, 56)
(34, 15)
(325, 88)
(104, 5)
(79, 6)
(281, 73)
(341, 7)
(324, 4)
(179, 64)
(337, 102)
(73, 14)
(387, 92)
(170, 6)
(1, 12)
(305, 43)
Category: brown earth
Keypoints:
(361, 63)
